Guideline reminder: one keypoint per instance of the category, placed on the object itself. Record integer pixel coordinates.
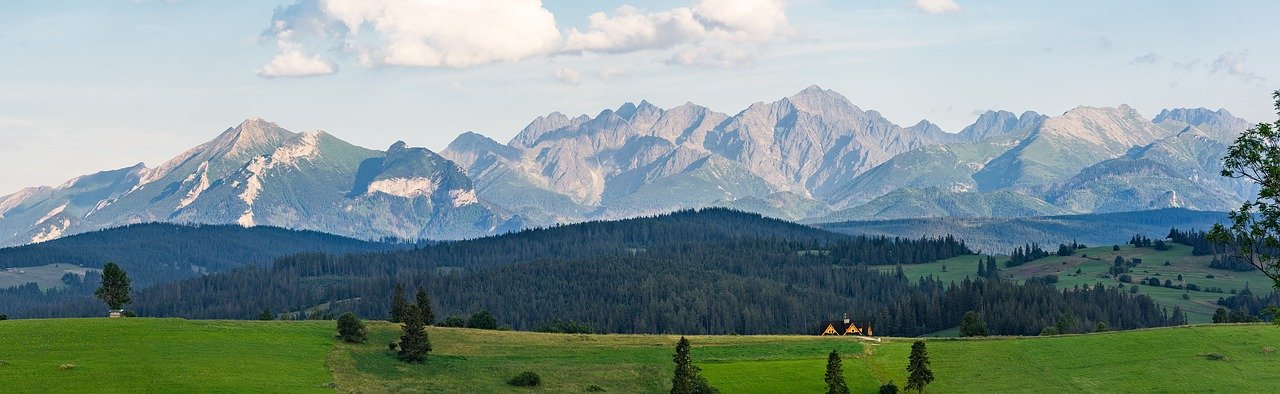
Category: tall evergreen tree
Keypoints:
(687, 379)
(424, 307)
(835, 375)
(918, 368)
(115, 287)
(414, 344)
(399, 304)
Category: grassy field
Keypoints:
(172, 355)
(1093, 265)
(46, 276)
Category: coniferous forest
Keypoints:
(710, 271)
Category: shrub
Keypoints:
(889, 388)
(4, 316)
(595, 388)
(483, 320)
(1186, 296)
(391, 346)
(526, 379)
(1126, 278)
(1115, 248)
(351, 329)
(128, 313)
(454, 321)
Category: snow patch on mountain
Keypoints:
(54, 231)
(463, 197)
(403, 187)
(52, 213)
(202, 174)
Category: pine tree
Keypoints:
(398, 304)
(918, 368)
(424, 306)
(414, 344)
(682, 382)
(115, 287)
(687, 379)
(835, 375)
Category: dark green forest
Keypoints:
(709, 271)
(155, 253)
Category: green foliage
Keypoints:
(835, 375)
(115, 287)
(483, 320)
(1254, 235)
(4, 316)
(687, 378)
(351, 329)
(454, 321)
(526, 379)
(414, 344)
(399, 305)
(424, 307)
(889, 388)
(972, 325)
(266, 315)
(919, 374)
(569, 327)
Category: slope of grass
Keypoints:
(163, 355)
(1092, 266)
(171, 355)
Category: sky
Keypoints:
(87, 86)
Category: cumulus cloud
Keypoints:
(1232, 63)
(937, 6)
(1149, 58)
(611, 72)
(291, 62)
(461, 34)
(711, 27)
(568, 75)
(419, 33)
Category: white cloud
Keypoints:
(291, 62)
(710, 27)
(1149, 58)
(610, 73)
(421, 33)
(461, 34)
(1232, 63)
(711, 56)
(937, 6)
(568, 75)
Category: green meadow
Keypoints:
(174, 355)
(1091, 266)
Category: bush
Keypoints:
(4, 316)
(889, 388)
(454, 321)
(1126, 278)
(128, 313)
(351, 329)
(391, 346)
(483, 320)
(1115, 248)
(595, 388)
(526, 379)
(569, 327)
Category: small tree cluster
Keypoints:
(972, 325)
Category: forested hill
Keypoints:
(707, 271)
(161, 252)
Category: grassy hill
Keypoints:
(1093, 265)
(122, 355)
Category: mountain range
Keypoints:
(813, 157)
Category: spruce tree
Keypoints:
(424, 306)
(687, 379)
(414, 344)
(835, 375)
(918, 368)
(682, 381)
(398, 305)
(115, 287)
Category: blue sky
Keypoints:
(95, 85)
